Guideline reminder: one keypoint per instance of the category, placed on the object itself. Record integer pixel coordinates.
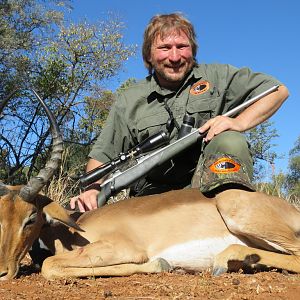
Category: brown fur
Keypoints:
(122, 238)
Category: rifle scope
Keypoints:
(186, 126)
(149, 144)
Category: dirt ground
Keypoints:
(177, 285)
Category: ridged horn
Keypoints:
(36, 183)
(3, 189)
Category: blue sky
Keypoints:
(263, 35)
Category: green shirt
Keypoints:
(139, 112)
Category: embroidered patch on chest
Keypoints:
(200, 87)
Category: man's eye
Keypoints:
(163, 48)
(183, 46)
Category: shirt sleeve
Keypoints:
(243, 84)
(115, 136)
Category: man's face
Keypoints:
(171, 58)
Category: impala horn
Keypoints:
(36, 183)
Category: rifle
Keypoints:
(145, 163)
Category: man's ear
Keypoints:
(149, 60)
(56, 213)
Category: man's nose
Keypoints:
(174, 55)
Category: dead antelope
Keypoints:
(177, 229)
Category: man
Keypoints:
(178, 86)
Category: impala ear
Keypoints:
(56, 213)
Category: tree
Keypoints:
(293, 176)
(67, 68)
(24, 26)
(77, 62)
(126, 84)
(97, 109)
(260, 139)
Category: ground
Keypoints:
(177, 285)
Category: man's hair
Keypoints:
(162, 25)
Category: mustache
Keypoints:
(175, 65)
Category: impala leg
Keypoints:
(264, 221)
(237, 257)
(156, 266)
(111, 257)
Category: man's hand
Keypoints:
(88, 199)
(219, 124)
(85, 201)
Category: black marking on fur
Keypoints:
(38, 254)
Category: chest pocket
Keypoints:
(151, 124)
(202, 107)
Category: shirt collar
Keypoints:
(156, 90)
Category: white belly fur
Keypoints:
(197, 255)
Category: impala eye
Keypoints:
(31, 220)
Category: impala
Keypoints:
(178, 229)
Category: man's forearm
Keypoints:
(93, 164)
(262, 109)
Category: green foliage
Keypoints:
(96, 109)
(67, 65)
(275, 187)
(126, 84)
(260, 139)
(90, 53)
(24, 26)
(76, 64)
(286, 185)
(293, 176)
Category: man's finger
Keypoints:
(94, 204)
(80, 205)
(73, 202)
(88, 205)
(205, 127)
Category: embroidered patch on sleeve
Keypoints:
(225, 165)
(200, 87)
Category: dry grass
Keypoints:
(63, 187)
(276, 189)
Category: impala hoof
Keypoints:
(217, 271)
(163, 265)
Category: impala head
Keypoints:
(22, 208)
(20, 224)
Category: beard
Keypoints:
(172, 74)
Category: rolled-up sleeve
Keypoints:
(244, 84)
(115, 136)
